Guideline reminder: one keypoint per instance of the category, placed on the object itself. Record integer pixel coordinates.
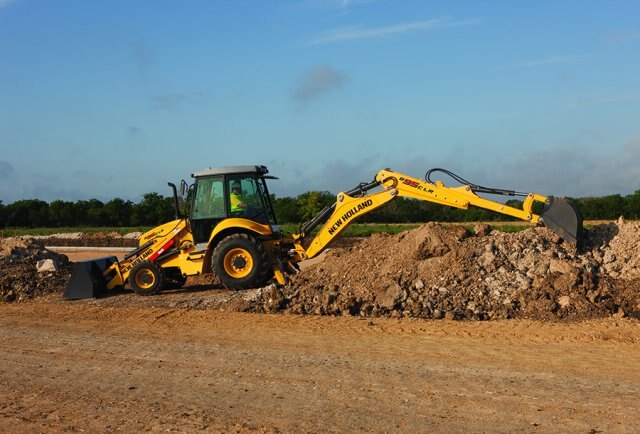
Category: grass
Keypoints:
(360, 229)
(15, 232)
(502, 227)
(368, 229)
(354, 230)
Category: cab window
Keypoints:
(245, 198)
(209, 199)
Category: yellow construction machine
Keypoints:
(232, 230)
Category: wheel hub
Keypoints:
(145, 279)
(238, 263)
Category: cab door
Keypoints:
(208, 207)
(247, 199)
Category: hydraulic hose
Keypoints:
(474, 187)
(359, 191)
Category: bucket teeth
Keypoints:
(564, 218)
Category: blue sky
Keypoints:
(104, 99)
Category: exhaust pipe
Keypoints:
(563, 218)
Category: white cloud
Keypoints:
(333, 4)
(6, 170)
(317, 81)
(575, 172)
(623, 36)
(363, 32)
(4, 3)
(589, 100)
(143, 57)
(541, 62)
(568, 171)
(173, 101)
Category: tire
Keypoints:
(240, 262)
(146, 278)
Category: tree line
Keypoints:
(155, 209)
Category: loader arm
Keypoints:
(91, 278)
(559, 215)
(151, 246)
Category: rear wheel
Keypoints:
(146, 278)
(240, 262)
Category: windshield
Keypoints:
(248, 199)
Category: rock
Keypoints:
(564, 301)
(558, 266)
(388, 294)
(620, 314)
(19, 276)
(609, 257)
(46, 265)
(451, 315)
(481, 229)
(487, 259)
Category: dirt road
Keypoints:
(76, 366)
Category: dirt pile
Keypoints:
(433, 271)
(19, 277)
(98, 239)
(436, 271)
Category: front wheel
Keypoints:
(240, 262)
(146, 278)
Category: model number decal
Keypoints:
(415, 184)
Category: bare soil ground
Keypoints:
(77, 366)
(546, 339)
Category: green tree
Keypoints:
(80, 210)
(96, 214)
(62, 213)
(287, 210)
(632, 205)
(312, 202)
(28, 213)
(119, 212)
(614, 206)
(601, 208)
(153, 210)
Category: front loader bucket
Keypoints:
(564, 218)
(87, 280)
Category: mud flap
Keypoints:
(564, 218)
(87, 280)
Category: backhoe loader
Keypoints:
(232, 230)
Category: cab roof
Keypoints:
(230, 170)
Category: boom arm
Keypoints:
(459, 197)
(357, 202)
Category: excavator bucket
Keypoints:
(564, 218)
(87, 280)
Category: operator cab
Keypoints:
(230, 192)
